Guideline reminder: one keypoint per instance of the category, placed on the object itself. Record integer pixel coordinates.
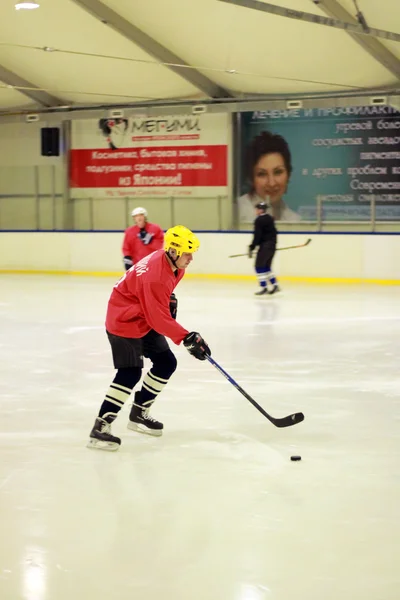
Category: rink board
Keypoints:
(330, 258)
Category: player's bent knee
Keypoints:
(165, 364)
(128, 377)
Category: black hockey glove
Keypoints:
(250, 251)
(173, 305)
(196, 346)
(128, 263)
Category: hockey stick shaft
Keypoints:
(292, 247)
(277, 250)
(285, 422)
(237, 386)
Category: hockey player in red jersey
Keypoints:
(141, 312)
(141, 239)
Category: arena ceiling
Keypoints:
(111, 52)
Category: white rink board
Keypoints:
(328, 256)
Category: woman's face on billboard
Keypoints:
(271, 177)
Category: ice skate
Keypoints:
(261, 292)
(141, 421)
(101, 437)
(275, 289)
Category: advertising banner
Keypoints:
(185, 155)
(341, 156)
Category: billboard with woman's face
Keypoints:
(342, 157)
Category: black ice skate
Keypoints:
(274, 289)
(141, 421)
(101, 437)
(261, 292)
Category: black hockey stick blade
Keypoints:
(284, 422)
(288, 421)
(236, 255)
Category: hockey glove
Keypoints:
(128, 263)
(147, 238)
(196, 346)
(173, 306)
(250, 252)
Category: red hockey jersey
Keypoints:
(136, 244)
(139, 301)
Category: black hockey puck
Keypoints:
(295, 458)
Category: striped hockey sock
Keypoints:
(272, 277)
(152, 386)
(119, 391)
(262, 277)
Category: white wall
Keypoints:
(29, 182)
(24, 173)
(328, 256)
(20, 145)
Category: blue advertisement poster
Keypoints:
(342, 157)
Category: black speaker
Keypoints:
(50, 137)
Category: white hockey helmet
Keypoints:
(139, 210)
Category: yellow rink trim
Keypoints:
(351, 280)
(118, 274)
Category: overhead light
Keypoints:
(26, 5)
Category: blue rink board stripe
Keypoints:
(203, 231)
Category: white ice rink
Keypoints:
(215, 509)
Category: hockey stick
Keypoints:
(236, 255)
(284, 422)
(299, 246)
(285, 248)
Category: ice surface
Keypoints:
(215, 509)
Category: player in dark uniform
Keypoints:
(265, 235)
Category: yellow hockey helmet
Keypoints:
(180, 239)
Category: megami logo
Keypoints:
(166, 125)
(116, 131)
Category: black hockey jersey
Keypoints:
(264, 231)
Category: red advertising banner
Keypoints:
(185, 155)
(172, 166)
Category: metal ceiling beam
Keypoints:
(370, 44)
(365, 37)
(28, 89)
(358, 27)
(229, 105)
(109, 17)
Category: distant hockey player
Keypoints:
(141, 239)
(141, 311)
(265, 235)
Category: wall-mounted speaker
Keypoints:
(378, 100)
(294, 104)
(115, 114)
(199, 109)
(50, 141)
